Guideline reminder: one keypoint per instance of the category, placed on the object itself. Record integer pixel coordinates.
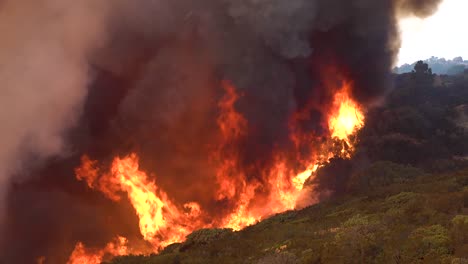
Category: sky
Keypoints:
(445, 34)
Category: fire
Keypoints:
(161, 222)
(346, 116)
(303, 176)
(232, 126)
(231, 180)
(81, 255)
(278, 188)
(231, 123)
(285, 184)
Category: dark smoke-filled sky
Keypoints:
(106, 78)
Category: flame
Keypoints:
(230, 178)
(161, 222)
(81, 255)
(346, 116)
(232, 126)
(231, 123)
(278, 188)
(284, 184)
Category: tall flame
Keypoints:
(161, 222)
(232, 126)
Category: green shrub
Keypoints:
(426, 243)
(357, 237)
(382, 173)
(459, 232)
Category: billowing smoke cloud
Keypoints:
(155, 92)
(43, 74)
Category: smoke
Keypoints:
(158, 67)
(420, 8)
(43, 74)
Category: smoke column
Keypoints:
(44, 52)
(115, 77)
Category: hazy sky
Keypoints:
(445, 34)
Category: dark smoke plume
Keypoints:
(156, 68)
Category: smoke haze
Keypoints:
(44, 52)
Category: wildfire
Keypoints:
(278, 188)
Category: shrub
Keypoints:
(279, 258)
(382, 173)
(459, 230)
(428, 243)
(357, 237)
(204, 236)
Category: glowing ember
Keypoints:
(81, 255)
(346, 117)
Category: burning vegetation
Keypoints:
(280, 187)
(187, 115)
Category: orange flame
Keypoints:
(231, 123)
(161, 222)
(231, 180)
(346, 116)
(81, 255)
(232, 126)
(285, 184)
(286, 187)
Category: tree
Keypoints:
(422, 68)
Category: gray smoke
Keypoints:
(44, 49)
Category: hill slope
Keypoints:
(419, 220)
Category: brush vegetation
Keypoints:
(423, 220)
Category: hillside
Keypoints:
(421, 220)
